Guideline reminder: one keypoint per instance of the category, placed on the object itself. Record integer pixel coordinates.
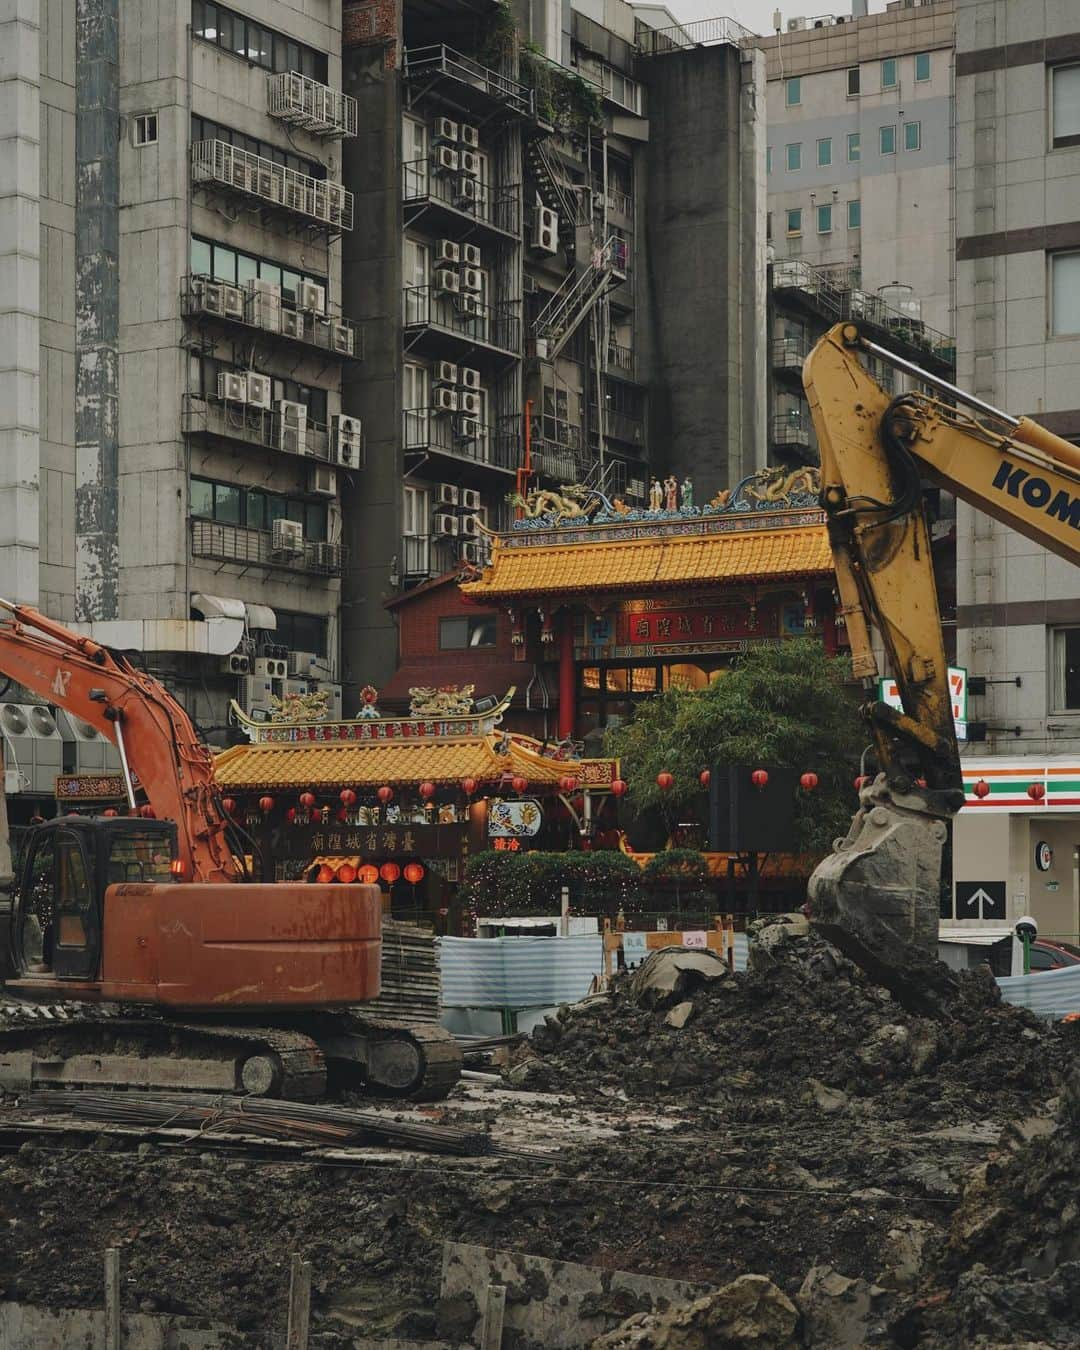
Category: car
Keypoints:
(1047, 955)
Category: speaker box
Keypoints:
(748, 819)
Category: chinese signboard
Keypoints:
(374, 841)
(514, 819)
(958, 690)
(90, 787)
(372, 730)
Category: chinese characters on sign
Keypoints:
(371, 730)
(405, 841)
(645, 627)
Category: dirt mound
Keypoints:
(803, 1024)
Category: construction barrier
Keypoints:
(518, 972)
(1049, 993)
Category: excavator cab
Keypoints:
(67, 865)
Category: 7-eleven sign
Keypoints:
(888, 692)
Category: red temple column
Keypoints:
(567, 681)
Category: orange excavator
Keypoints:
(141, 954)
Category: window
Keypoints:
(768, 159)
(888, 73)
(1065, 669)
(852, 81)
(459, 633)
(792, 93)
(254, 509)
(824, 219)
(854, 146)
(144, 129)
(203, 129)
(415, 511)
(922, 66)
(824, 152)
(912, 135)
(415, 276)
(209, 259)
(854, 214)
(301, 632)
(794, 156)
(768, 227)
(254, 42)
(887, 140)
(1065, 105)
(1064, 294)
(556, 424)
(204, 383)
(414, 157)
(621, 88)
(794, 220)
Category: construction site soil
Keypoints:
(900, 1180)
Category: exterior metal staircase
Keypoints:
(559, 320)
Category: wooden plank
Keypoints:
(112, 1299)
(491, 1332)
(296, 1337)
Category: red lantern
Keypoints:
(618, 787)
(147, 811)
(808, 782)
(427, 791)
(346, 874)
(567, 784)
(759, 778)
(413, 873)
(290, 815)
(266, 805)
(228, 805)
(109, 811)
(1036, 792)
(390, 872)
(981, 789)
(705, 778)
(325, 874)
(920, 782)
(342, 814)
(385, 794)
(369, 874)
(468, 786)
(307, 800)
(519, 784)
(665, 781)
(861, 781)
(348, 797)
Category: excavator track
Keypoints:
(418, 1060)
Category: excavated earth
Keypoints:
(898, 1180)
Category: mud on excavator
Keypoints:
(139, 952)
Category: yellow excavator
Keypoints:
(877, 896)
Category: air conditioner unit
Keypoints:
(235, 664)
(796, 25)
(322, 480)
(310, 296)
(469, 303)
(269, 183)
(319, 200)
(470, 499)
(445, 160)
(470, 379)
(470, 255)
(444, 129)
(240, 174)
(271, 667)
(470, 163)
(446, 525)
(291, 426)
(444, 372)
(232, 302)
(335, 202)
(447, 251)
(327, 556)
(446, 282)
(342, 338)
(300, 663)
(296, 194)
(333, 710)
(444, 400)
(255, 694)
(287, 538)
(466, 191)
(348, 440)
(292, 324)
(468, 429)
(472, 279)
(296, 687)
(42, 723)
(470, 526)
(469, 136)
(449, 494)
(265, 300)
(259, 389)
(208, 295)
(232, 386)
(472, 551)
(545, 235)
(469, 403)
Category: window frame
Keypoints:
(918, 136)
(1073, 138)
(826, 207)
(824, 143)
(892, 61)
(922, 56)
(1052, 260)
(1057, 669)
(143, 121)
(273, 506)
(768, 159)
(788, 166)
(793, 82)
(795, 233)
(857, 72)
(890, 128)
(475, 625)
(855, 202)
(309, 60)
(262, 263)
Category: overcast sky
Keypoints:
(758, 14)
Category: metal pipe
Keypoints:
(128, 786)
(935, 382)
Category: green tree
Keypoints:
(787, 704)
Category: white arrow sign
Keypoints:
(981, 899)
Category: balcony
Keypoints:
(203, 297)
(467, 441)
(620, 203)
(271, 187)
(790, 431)
(260, 427)
(255, 548)
(788, 354)
(431, 315)
(473, 84)
(449, 200)
(620, 360)
(303, 102)
(558, 463)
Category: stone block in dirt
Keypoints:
(750, 1313)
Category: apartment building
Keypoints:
(172, 449)
(558, 261)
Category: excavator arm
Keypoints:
(878, 894)
(150, 728)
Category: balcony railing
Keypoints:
(303, 102)
(428, 63)
(271, 185)
(462, 437)
(700, 33)
(464, 314)
(789, 353)
(424, 182)
(254, 426)
(255, 548)
(620, 202)
(560, 463)
(206, 297)
(416, 555)
(790, 431)
(621, 359)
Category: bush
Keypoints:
(497, 883)
(679, 874)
